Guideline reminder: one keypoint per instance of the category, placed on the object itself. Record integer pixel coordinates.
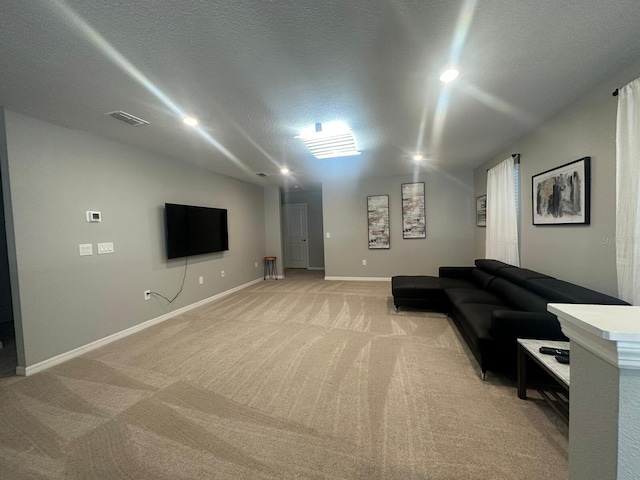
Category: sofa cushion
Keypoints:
(475, 319)
(491, 266)
(520, 276)
(456, 272)
(481, 279)
(564, 292)
(517, 297)
(471, 295)
(511, 325)
(410, 286)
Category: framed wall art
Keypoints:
(378, 221)
(481, 211)
(413, 211)
(561, 196)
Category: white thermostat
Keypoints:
(94, 216)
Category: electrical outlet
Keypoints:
(255, 264)
(328, 235)
(147, 294)
(222, 273)
(364, 262)
(201, 280)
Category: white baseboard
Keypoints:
(360, 279)
(63, 357)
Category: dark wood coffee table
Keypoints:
(556, 394)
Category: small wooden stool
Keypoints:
(270, 267)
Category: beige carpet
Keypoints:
(295, 378)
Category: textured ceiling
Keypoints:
(257, 72)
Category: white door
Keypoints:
(295, 236)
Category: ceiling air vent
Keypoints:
(127, 118)
(262, 174)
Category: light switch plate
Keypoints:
(105, 248)
(85, 249)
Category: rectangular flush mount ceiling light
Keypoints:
(330, 140)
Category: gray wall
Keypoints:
(67, 301)
(629, 425)
(273, 229)
(450, 222)
(579, 254)
(315, 241)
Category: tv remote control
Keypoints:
(562, 359)
(554, 351)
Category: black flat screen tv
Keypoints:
(192, 230)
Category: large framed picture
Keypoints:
(413, 211)
(378, 221)
(561, 196)
(481, 211)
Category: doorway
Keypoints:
(309, 224)
(8, 355)
(296, 249)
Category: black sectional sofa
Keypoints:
(493, 304)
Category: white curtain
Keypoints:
(628, 193)
(502, 219)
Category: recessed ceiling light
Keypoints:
(191, 121)
(284, 170)
(418, 157)
(449, 75)
(331, 140)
